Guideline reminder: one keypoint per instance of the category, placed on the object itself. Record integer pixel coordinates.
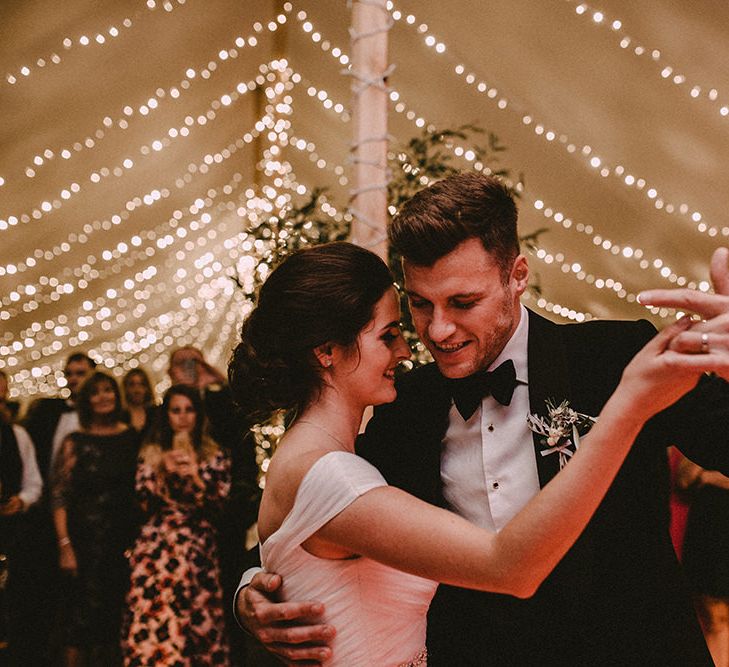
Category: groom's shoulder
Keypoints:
(422, 386)
(423, 378)
(616, 330)
(607, 343)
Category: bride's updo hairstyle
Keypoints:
(323, 294)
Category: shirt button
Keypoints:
(494, 485)
(490, 427)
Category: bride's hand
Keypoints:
(709, 338)
(659, 375)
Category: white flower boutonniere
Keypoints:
(561, 428)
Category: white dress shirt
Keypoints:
(31, 483)
(488, 467)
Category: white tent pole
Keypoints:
(368, 203)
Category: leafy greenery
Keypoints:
(430, 157)
(299, 226)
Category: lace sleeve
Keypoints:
(61, 475)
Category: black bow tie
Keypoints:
(500, 383)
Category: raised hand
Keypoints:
(710, 336)
(180, 462)
(658, 375)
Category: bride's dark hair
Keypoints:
(323, 294)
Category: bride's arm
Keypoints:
(392, 527)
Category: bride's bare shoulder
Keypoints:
(289, 466)
(294, 457)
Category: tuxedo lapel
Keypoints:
(435, 425)
(548, 379)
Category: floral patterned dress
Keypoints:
(174, 606)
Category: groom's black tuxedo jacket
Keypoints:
(618, 597)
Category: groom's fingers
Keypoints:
(301, 655)
(692, 301)
(708, 305)
(720, 270)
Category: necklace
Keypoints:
(323, 430)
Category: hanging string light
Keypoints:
(664, 69)
(586, 152)
(153, 102)
(142, 341)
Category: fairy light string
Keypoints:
(153, 101)
(665, 70)
(118, 256)
(586, 153)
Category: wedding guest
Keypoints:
(706, 553)
(20, 489)
(95, 519)
(20, 480)
(618, 593)
(323, 343)
(189, 367)
(175, 605)
(139, 401)
(49, 421)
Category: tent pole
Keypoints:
(368, 198)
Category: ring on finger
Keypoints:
(704, 343)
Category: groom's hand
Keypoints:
(292, 631)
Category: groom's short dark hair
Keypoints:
(440, 217)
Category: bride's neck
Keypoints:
(334, 418)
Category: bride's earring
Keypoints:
(323, 355)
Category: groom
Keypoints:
(617, 598)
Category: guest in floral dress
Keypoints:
(175, 608)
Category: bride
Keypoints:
(324, 343)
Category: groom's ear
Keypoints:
(520, 274)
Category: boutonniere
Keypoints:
(561, 428)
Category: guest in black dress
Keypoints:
(96, 521)
(139, 401)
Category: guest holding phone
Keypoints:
(189, 367)
(175, 604)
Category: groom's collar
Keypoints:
(516, 348)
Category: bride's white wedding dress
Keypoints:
(379, 612)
